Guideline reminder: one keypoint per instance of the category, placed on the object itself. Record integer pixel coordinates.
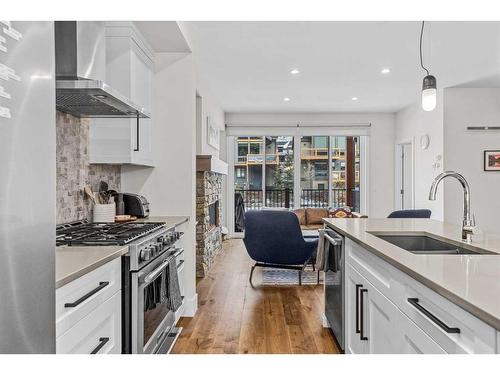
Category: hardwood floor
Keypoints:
(233, 317)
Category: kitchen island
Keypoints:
(432, 302)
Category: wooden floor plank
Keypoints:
(234, 317)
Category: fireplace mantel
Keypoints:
(210, 163)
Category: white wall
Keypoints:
(411, 123)
(463, 152)
(381, 146)
(170, 186)
(209, 107)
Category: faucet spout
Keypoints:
(468, 221)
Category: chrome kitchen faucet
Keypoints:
(468, 223)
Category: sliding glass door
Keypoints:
(279, 172)
(329, 169)
(345, 172)
(314, 171)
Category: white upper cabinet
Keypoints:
(129, 70)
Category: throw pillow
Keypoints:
(340, 213)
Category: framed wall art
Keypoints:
(491, 160)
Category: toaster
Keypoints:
(135, 205)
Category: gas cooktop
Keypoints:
(84, 233)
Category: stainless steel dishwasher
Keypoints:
(334, 284)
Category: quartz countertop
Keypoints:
(73, 262)
(170, 221)
(470, 281)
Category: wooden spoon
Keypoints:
(88, 191)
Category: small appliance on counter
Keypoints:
(135, 205)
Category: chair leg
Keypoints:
(251, 274)
(318, 279)
(314, 267)
(300, 277)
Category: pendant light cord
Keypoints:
(421, 36)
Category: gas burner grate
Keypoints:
(85, 233)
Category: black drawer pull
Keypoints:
(102, 342)
(102, 285)
(358, 286)
(361, 318)
(427, 313)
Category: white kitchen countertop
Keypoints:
(170, 221)
(470, 281)
(73, 262)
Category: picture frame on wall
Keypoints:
(212, 134)
(492, 160)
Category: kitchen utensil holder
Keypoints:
(104, 213)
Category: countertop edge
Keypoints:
(91, 267)
(172, 221)
(467, 306)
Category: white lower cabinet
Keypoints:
(375, 325)
(88, 312)
(97, 333)
(387, 311)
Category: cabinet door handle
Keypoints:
(427, 313)
(358, 286)
(102, 285)
(102, 341)
(137, 134)
(361, 318)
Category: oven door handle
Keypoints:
(156, 271)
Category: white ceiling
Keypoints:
(247, 64)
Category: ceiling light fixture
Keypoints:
(429, 84)
(294, 71)
(354, 98)
(286, 99)
(385, 71)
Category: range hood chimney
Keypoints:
(80, 71)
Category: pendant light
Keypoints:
(429, 85)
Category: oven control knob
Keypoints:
(155, 248)
(145, 255)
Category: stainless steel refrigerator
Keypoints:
(27, 187)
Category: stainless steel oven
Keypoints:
(153, 328)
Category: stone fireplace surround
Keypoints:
(209, 186)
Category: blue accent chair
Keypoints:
(274, 239)
(410, 214)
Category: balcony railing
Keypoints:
(283, 198)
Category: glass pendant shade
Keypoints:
(429, 93)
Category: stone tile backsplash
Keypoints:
(74, 170)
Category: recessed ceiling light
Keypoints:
(385, 71)
(294, 71)
(286, 99)
(354, 98)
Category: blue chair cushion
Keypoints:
(410, 214)
(275, 237)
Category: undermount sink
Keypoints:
(422, 244)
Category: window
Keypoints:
(328, 167)
(279, 171)
(314, 171)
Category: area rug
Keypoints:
(276, 276)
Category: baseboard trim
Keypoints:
(191, 306)
(324, 321)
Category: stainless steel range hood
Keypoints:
(80, 71)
